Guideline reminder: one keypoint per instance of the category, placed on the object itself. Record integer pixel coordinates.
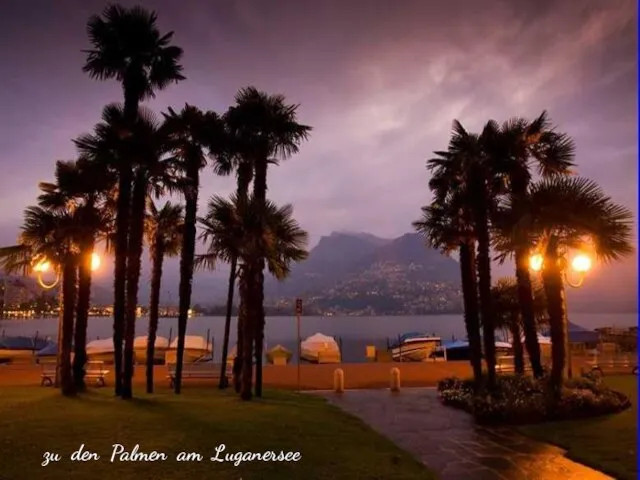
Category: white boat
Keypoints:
(414, 347)
(140, 348)
(195, 347)
(100, 350)
(320, 348)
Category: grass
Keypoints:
(332, 444)
(605, 443)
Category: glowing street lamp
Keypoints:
(95, 262)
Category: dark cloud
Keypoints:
(380, 82)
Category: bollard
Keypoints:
(395, 380)
(338, 380)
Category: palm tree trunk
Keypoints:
(120, 273)
(525, 299)
(154, 303)
(554, 291)
(82, 316)
(248, 287)
(259, 333)
(186, 263)
(69, 278)
(227, 325)
(471, 314)
(134, 260)
(486, 302)
(516, 344)
(237, 362)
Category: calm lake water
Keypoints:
(354, 332)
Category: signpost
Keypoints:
(298, 314)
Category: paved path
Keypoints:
(448, 442)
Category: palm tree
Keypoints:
(164, 235)
(190, 132)
(127, 46)
(269, 132)
(81, 186)
(572, 213)
(251, 230)
(519, 146)
(51, 236)
(445, 226)
(465, 171)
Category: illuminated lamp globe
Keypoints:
(581, 263)
(95, 261)
(535, 262)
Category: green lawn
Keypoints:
(332, 444)
(607, 443)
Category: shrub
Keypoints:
(520, 399)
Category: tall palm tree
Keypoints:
(519, 147)
(164, 229)
(252, 230)
(127, 46)
(446, 227)
(190, 132)
(270, 132)
(81, 186)
(572, 213)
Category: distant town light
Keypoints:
(535, 262)
(581, 263)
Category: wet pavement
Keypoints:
(449, 443)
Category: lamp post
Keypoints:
(550, 263)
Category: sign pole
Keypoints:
(298, 313)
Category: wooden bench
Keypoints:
(198, 370)
(93, 370)
(506, 364)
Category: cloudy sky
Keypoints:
(379, 81)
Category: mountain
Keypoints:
(361, 273)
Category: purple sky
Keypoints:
(380, 82)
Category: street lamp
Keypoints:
(579, 265)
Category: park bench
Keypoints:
(94, 370)
(505, 364)
(200, 369)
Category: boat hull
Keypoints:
(190, 355)
(320, 356)
(414, 351)
(158, 354)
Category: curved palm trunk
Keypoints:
(471, 314)
(554, 291)
(516, 344)
(82, 315)
(237, 362)
(227, 326)
(134, 260)
(154, 303)
(120, 273)
(186, 263)
(69, 278)
(486, 301)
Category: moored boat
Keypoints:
(140, 348)
(20, 348)
(195, 347)
(100, 350)
(279, 355)
(414, 347)
(319, 348)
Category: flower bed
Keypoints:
(518, 400)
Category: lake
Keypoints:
(354, 332)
